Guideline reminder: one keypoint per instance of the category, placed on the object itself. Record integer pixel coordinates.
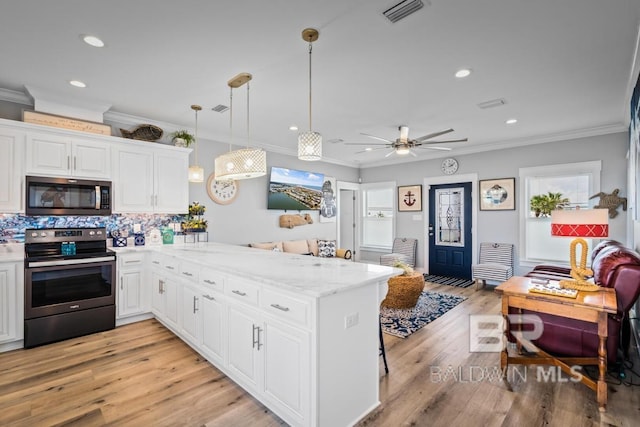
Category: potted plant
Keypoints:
(194, 222)
(543, 204)
(182, 138)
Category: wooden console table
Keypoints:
(587, 306)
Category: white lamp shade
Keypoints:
(580, 223)
(309, 146)
(241, 164)
(196, 174)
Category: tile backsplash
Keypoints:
(12, 226)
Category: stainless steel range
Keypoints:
(70, 279)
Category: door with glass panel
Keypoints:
(450, 230)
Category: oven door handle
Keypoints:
(70, 261)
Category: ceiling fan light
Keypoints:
(403, 150)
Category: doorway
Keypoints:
(468, 240)
(347, 220)
(450, 230)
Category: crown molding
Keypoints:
(15, 97)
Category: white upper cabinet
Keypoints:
(65, 156)
(150, 180)
(11, 170)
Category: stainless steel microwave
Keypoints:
(67, 196)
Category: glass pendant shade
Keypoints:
(309, 146)
(241, 164)
(196, 174)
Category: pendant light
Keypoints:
(196, 173)
(310, 142)
(247, 162)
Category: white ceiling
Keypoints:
(565, 68)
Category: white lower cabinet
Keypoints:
(11, 301)
(273, 359)
(165, 302)
(191, 314)
(132, 287)
(213, 327)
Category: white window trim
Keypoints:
(373, 186)
(592, 167)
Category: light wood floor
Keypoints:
(142, 375)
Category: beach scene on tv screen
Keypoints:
(295, 190)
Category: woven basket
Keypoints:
(404, 291)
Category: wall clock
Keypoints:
(221, 192)
(449, 166)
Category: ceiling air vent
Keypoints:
(493, 103)
(220, 108)
(403, 9)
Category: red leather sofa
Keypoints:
(614, 266)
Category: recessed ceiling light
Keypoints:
(77, 83)
(92, 41)
(293, 127)
(511, 121)
(464, 72)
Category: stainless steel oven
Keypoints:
(67, 196)
(70, 279)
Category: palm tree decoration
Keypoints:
(543, 204)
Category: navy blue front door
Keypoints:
(450, 230)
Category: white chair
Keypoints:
(495, 262)
(403, 250)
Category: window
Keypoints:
(378, 219)
(572, 184)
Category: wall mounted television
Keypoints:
(291, 189)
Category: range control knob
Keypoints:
(91, 233)
(34, 234)
(43, 234)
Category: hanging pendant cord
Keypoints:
(310, 49)
(248, 133)
(196, 142)
(230, 117)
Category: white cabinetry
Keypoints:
(11, 301)
(65, 156)
(132, 287)
(268, 355)
(150, 180)
(165, 291)
(11, 171)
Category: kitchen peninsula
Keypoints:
(300, 333)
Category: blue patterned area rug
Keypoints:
(402, 322)
(451, 281)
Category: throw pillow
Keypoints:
(326, 248)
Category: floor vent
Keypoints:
(403, 9)
(220, 108)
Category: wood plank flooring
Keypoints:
(142, 375)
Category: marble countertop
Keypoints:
(313, 276)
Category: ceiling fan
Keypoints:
(403, 145)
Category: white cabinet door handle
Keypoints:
(280, 307)
(121, 285)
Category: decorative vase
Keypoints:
(179, 142)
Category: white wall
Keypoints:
(503, 226)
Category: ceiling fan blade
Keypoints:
(433, 135)
(377, 137)
(434, 148)
(362, 143)
(412, 153)
(390, 153)
(373, 149)
(439, 142)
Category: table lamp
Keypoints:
(579, 223)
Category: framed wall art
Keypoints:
(410, 198)
(497, 194)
